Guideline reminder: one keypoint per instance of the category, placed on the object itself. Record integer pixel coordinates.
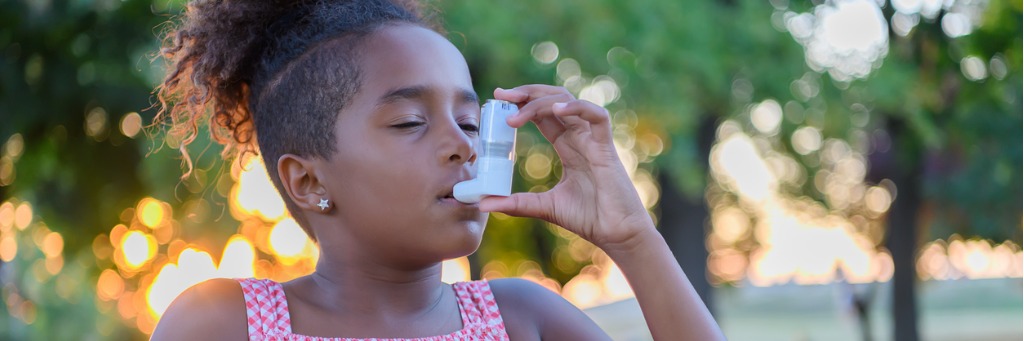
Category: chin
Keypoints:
(468, 241)
(454, 239)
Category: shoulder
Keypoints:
(211, 310)
(529, 309)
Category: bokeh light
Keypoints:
(973, 68)
(767, 117)
(455, 270)
(545, 52)
(151, 212)
(138, 248)
(110, 285)
(23, 215)
(847, 39)
(254, 193)
(792, 194)
(238, 259)
(289, 242)
(131, 124)
(96, 123)
(8, 247)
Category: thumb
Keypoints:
(536, 205)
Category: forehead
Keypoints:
(405, 55)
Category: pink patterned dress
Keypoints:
(268, 318)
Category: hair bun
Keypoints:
(214, 49)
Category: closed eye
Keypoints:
(472, 128)
(407, 125)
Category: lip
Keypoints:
(457, 204)
(447, 195)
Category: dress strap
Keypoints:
(266, 308)
(478, 306)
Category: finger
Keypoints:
(511, 95)
(538, 109)
(550, 128)
(539, 112)
(526, 93)
(535, 205)
(540, 90)
(579, 112)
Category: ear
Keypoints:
(300, 181)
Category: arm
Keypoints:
(595, 199)
(211, 310)
(669, 302)
(532, 312)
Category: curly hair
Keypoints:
(276, 70)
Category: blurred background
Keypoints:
(823, 170)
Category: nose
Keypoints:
(456, 146)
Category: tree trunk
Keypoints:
(683, 226)
(684, 219)
(902, 242)
(901, 164)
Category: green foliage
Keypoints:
(62, 62)
(676, 63)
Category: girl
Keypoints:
(366, 119)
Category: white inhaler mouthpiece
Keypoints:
(495, 154)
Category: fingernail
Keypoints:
(558, 106)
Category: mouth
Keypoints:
(446, 194)
(448, 198)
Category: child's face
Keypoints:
(403, 142)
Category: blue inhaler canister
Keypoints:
(496, 154)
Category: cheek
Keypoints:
(382, 179)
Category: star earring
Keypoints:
(324, 204)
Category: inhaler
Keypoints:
(495, 154)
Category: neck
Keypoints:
(344, 282)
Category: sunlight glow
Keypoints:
(238, 259)
(813, 253)
(795, 238)
(193, 267)
(597, 284)
(971, 259)
(138, 248)
(741, 167)
(846, 38)
(288, 241)
(166, 287)
(455, 270)
(255, 194)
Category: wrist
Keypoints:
(645, 239)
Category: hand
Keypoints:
(594, 197)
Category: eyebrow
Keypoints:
(418, 91)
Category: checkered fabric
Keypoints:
(267, 312)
